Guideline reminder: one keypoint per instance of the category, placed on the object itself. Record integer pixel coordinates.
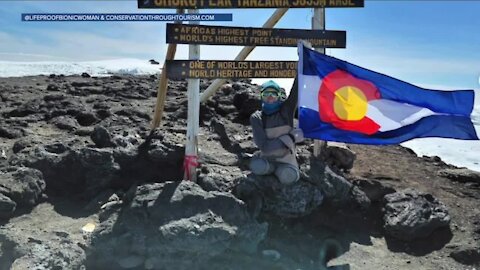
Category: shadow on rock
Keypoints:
(423, 246)
(172, 225)
(88, 174)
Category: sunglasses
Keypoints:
(269, 94)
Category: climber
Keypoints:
(274, 134)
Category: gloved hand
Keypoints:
(297, 134)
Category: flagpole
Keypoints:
(318, 23)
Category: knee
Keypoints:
(260, 166)
(287, 175)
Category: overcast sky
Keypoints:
(428, 43)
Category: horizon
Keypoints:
(410, 41)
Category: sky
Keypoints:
(434, 44)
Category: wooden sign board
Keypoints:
(212, 69)
(247, 36)
(205, 4)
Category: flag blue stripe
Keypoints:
(458, 102)
(445, 126)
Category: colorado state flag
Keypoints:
(339, 101)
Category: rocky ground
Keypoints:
(85, 185)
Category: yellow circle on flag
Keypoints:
(350, 103)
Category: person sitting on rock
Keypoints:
(274, 134)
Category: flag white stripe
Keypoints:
(308, 92)
(392, 115)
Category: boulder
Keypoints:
(11, 133)
(24, 186)
(65, 122)
(86, 118)
(295, 200)
(461, 175)
(410, 214)
(39, 248)
(318, 184)
(339, 155)
(71, 171)
(101, 137)
(337, 190)
(173, 225)
(466, 254)
(53, 87)
(7, 207)
(215, 177)
(247, 102)
(375, 190)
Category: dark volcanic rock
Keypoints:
(318, 184)
(219, 178)
(246, 102)
(100, 169)
(469, 255)
(338, 155)
(30, 107)
(54, 97)
(52, 87)
(65, 123)
(461, 175)
(86, 118)
(69, 107)
(167, 151)
(173, 225)
(226, 89)
(101, 137)
(11, 133)
(296, 200)
(82, 84)
(410, 214)
(7, 207)
(23, 143)
(375, 190)
(134, 114)
(223, 110)
(41, 249)
(23, 185)
(70, 171)
(153, 160)
(337, 190)
(103, 113)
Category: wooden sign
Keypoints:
(212, 69)
(203, 4)
(247, 36)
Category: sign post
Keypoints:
(190, 162)
(163, 84)
(318, 22)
